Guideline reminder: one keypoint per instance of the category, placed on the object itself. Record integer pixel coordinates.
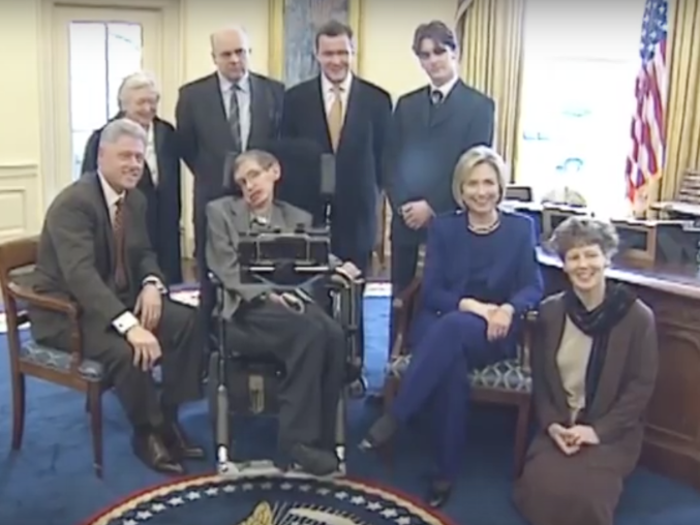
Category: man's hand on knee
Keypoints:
(146, 347)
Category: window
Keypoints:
(101, 55)
(578, 99)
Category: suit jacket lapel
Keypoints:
(241, 215)
(217, 109)
(159, 143)
(103, 213)
(445, 111)
(611, 374)
(551, 348)
(318, 112)
(259, 111)
(351, 112)
(424, 107)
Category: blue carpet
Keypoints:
(51, 482)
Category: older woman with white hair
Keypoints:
(480, 275)
(160, 183)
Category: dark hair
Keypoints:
(333, 28)
(437, 31)
(576, 232)
(263, 158)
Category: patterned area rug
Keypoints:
(211, 500)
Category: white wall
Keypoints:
(387, 60)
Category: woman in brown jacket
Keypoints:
(594, 366)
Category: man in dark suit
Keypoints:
(160, 182)
(94, 250)
(261, 319)
(221, 115)
(431, 128)
(348, 117)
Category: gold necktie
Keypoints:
(335, 118)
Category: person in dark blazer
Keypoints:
(160, 183)
(347, 117)
(221, 115)
(594, 367)
(481, 275)
(431, 128)
(94, 250)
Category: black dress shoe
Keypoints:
(314, 461)
(438, 494)
(179, 445)
(380, 433)
(150, 449)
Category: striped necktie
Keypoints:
(234, 117)
(120, 279)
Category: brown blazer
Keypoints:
(625, 388)
(75, 259)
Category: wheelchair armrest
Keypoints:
(213, 279)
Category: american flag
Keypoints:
(646, 157)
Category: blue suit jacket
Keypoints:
(514, 276)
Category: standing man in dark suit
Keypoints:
(221, 115)
(431, 128)
(348, 117)
(94, 250)
(160, 183)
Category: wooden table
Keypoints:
(672, 440)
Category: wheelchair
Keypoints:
(244, 384)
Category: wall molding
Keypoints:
(24, 170)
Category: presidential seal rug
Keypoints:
(212, 500)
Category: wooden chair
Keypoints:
(28, 358)
(686, 204)
(507, 382)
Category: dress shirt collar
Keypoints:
(327, 86)
(446, 88)
(111, 196)
(227, 85)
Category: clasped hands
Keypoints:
(498, 318)
(145, 345)
(416, 214)
(571, 439)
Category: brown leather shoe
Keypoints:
(179, 445)
(150, 449)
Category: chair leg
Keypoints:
(521, 435)
(391, 388)
(94, 398)
(18, 409)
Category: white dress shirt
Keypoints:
(327, 89)
(151, 157)
(244, 97)
(126, 320)
(446, 88)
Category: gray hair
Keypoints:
(122, 127)
(577, 232)
(134, 82)
(263, 158)
(469, 161)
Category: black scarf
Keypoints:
(597, 324)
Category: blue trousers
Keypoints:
(449, 347)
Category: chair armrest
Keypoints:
(46, 302)
(525, 344)
(71, 310)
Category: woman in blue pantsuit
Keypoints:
(480, 275)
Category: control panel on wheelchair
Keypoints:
(300, 262)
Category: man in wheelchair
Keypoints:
(262, 319)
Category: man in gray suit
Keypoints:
(296, 331)
(221, 115)
(94, 250)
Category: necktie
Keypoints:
(234, 117)
(436, 97)
(335, 118)
(118, 229)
